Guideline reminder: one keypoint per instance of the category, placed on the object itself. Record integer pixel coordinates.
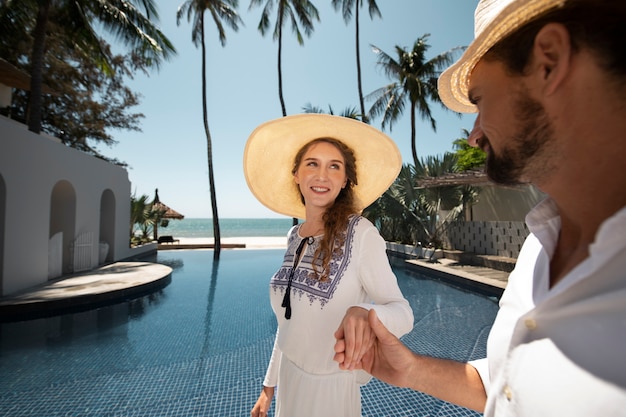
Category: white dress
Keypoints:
(309, 382)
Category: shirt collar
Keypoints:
(545, 223)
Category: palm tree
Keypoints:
(222, 11)
(346, 7)
(414, 82)
(294, 10)
(130, 23)
(141, 217)
(349, 112)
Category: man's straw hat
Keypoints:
(493, 21)
(269, 155)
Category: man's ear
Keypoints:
(552, 53)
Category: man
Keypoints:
(548, 80)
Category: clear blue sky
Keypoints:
(170, 152)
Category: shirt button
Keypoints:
(531, 324)
(507, 392)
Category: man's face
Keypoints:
(512, 127)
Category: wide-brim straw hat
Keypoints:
(493, 21)
(269, 156)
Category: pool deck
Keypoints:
(98, 287)
(127, 280)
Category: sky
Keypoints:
(170, 152)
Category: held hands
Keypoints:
(356, 338)
(387, 359)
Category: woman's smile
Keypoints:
(321, 175)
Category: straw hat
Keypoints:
(493, 21)
(271, 149)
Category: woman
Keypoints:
(335, 268)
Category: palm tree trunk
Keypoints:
(280, 51)
(413, 144)
(216, 223)
(358, 66)
(36, 70)
(280, 71)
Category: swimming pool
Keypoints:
(200, 346)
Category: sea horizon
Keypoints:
(229, 227)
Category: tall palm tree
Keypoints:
(222, 11)
(346, 7)
(414, 82)
(295, 11)
(132, 22)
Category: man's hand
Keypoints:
(387, 359)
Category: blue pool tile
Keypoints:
(200, 346)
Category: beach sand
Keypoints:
(264, 242)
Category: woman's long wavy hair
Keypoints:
(336, 216)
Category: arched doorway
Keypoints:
(107, 227)
(63, 220)
(3, 206)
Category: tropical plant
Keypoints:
(87, 104)
(145, 218)
(140, 219)
(468, 157)
(132, 22)
(294, 11)
(414, 82)
(347, 7)
(409, 214)
(222, 11)
(349, 112)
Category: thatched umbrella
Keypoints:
(164, 212)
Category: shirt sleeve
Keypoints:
(482, 366)
(381, 284)
(271, 375)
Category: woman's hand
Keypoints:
(262, 405)
(355, 337)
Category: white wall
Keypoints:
(30, 167)
(496, 223)
(497, 203)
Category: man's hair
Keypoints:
(597, 25)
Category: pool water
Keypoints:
(200, 346)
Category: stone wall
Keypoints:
(499, 238)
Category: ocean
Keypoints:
(203, 228)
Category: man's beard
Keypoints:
(519, 161)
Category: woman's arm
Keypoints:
(381, 284)
(271, 378)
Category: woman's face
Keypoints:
(321, 175)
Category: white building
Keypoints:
(61, 210)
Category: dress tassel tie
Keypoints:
(286, 304)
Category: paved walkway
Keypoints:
(126, 280)
(83, 291)
(485, 280)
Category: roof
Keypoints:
(469, 177)
(16, 78)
